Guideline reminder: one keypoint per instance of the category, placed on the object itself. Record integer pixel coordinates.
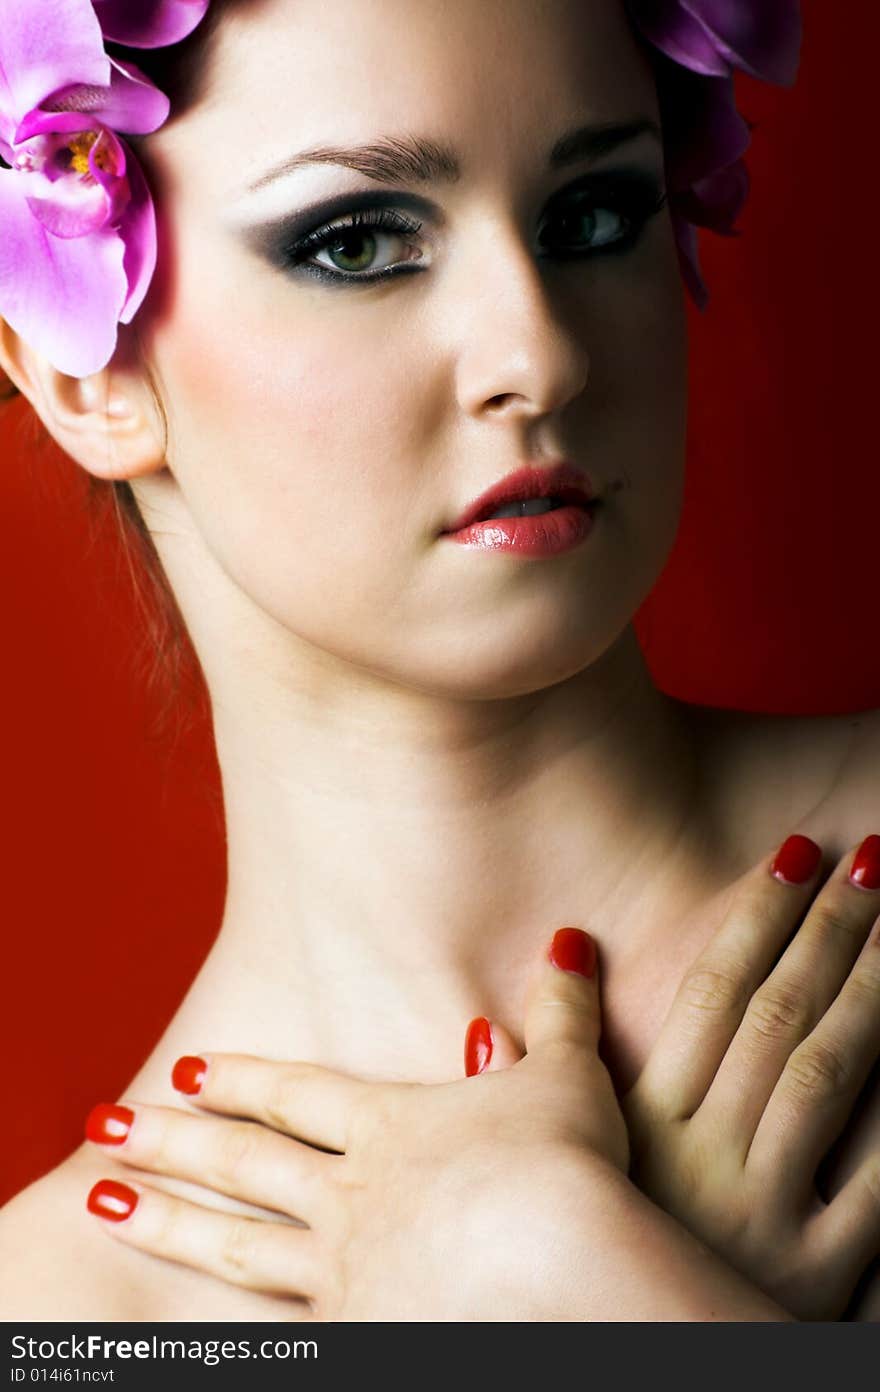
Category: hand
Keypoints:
(749, 1084)
(421, 1200)
(754, 1075)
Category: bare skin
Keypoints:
(430, 758)
(771, 1038)
(114, 1282)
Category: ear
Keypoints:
(108, 422)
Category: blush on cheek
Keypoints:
(290, 423)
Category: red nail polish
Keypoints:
(107, 1124)
(573, 950)
(797, 860)
(188, 1074)
(477, 1046)
(110, 1199)
(866, 865)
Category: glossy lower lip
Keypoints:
(548, 534)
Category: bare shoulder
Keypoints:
(58, 1262)
(50, 1268)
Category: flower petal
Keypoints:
(149, 23)
(77, 212)
(39, 122)
(62, 296)
(135, 105)
(763, 38)
(670, 27)
(712, 37)
(702, 128)
(46, 46)
(131, 104)
(717, 201)
(138, 231)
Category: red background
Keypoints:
(112, 844)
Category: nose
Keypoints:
(516, 356)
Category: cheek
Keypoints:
(289, 431)
(650, 496)
(653, 359)
(658, 363)
(637, 407)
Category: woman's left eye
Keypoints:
(602, 220)
(594, 227)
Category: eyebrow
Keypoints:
(417, 159)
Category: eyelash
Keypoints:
(634, 199)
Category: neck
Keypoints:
(396, 864)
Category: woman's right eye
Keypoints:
(353, 241)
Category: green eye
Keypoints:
(348, 260)
(353, 247)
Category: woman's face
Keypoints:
(326, 427)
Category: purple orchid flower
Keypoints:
(699, 44)
(78, 245)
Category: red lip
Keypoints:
(562, 481)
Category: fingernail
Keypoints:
(865, 870)
(107, 1124)
(797, 860)
(477, 1046)
(573, 950)
(188, 1074)
(110, 1199)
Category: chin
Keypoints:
(514, 659)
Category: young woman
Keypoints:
(439, 741)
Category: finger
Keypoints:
(488, 1047)
(304, 1100)
(822, 1079)
(847, 1232)
(275, 1258)
(239, 1158)
(563, 999)
(712, 998)
(784, 1013)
